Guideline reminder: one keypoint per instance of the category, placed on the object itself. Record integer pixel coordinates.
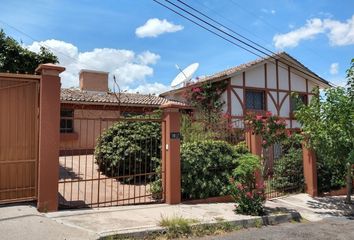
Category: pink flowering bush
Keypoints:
(249, 201)
(272, 128)
(249, 197)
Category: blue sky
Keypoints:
(140, 42)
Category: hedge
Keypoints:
(207, 166)
(128, 148)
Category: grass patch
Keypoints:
(177, 226)
(182, 228)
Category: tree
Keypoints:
(328, 122)
(15, 58)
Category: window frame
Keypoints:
(264, 99)
(293, 105)
(67, 119)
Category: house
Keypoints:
(262, 85)
(88, 110)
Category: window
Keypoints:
(255, 100)
(296, 100)
(131, 114)
(66, 120)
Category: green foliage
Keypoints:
(248, 196)
(241, 148)
(156, 186)
(15, 58)
(206, 167)
(248, 164)
(128, 148)
(271, 128)
(193, 131)
(207, 102)
(328, 123)
(193, 128)
(288, 171)
(177, 226)
(207, 97)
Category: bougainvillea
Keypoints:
(271, 128)
(208, 120)
(207, 97)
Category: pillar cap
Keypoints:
(173, 104)
(51, 67)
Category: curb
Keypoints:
(243, 223)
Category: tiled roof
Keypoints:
(229, 72)
(126, 99)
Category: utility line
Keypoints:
(237, 39)
(231, 30)
(229, 35)
(252, 13)
(191, 20)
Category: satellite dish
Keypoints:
(185, 75)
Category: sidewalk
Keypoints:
(315, 209)
(24, 222)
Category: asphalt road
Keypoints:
(331, 229)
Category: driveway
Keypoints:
(81, 184)
(328, 229)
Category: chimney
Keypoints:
(93, 80)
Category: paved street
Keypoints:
(331, 229)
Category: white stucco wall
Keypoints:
(283, 77)
(237, 80)
(270, 103)
(255, 77)
(236, 107)
(297, 83)
(224, 98)
(271, 75)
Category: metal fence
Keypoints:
(288, 179)
(118, 172)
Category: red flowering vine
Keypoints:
(272, 128)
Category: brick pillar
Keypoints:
(254, 144)
(48, 151)
(310, 170)
(171, 162)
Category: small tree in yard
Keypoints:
(15, 58)
(328, 123)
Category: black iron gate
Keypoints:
(104, 163)
(281, 175)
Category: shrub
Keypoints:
(156, 189)
(206, 167)
(288, 171)
(330, 173)
(248, 200)
(128, 148)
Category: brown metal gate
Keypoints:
(84, 182)
(18, 137)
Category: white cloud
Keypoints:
(148, 57)
(333, 69)
(268, 11)
(131, 69)
(292, 39)
(151, 88)
(155, 27)
(338, 33)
